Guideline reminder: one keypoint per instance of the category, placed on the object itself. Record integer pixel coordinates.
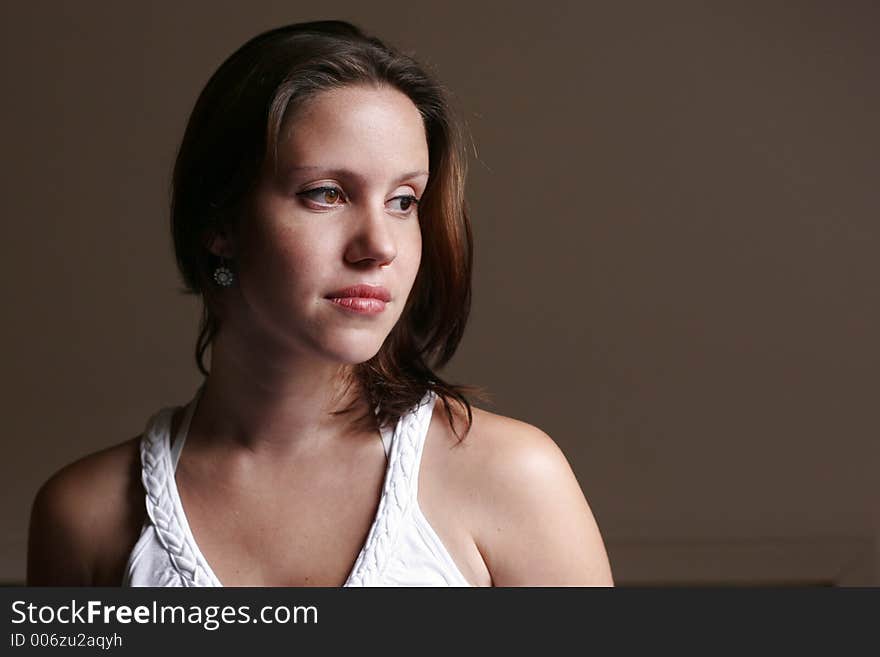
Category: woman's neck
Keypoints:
(271, 404)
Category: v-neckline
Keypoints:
(171, 455)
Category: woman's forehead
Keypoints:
(355, 131)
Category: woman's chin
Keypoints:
(355, 354)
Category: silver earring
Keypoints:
(223, 275)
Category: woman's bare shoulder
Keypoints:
(496, 444)
(528, 513)
(85, 517)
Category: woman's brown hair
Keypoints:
(234, 130)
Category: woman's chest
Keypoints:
(308, 525)
(306, 531)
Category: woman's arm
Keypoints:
(85, 520)
(537, 527)
(58, 539)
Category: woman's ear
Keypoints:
(221, 246)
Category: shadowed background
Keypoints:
(675, 212)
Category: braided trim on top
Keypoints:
(397, 496)
(158, 478)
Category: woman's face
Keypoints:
(340, 212)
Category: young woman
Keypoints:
(318, 209)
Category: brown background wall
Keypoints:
(676, 216)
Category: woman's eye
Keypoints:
(407, 203)
(323, 195)
(331, 196)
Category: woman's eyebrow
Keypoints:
(340, 172)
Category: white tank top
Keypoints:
(402, 549)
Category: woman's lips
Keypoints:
(363, 298)
(361, 305)
(362, 290)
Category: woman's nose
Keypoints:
(373, 238)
